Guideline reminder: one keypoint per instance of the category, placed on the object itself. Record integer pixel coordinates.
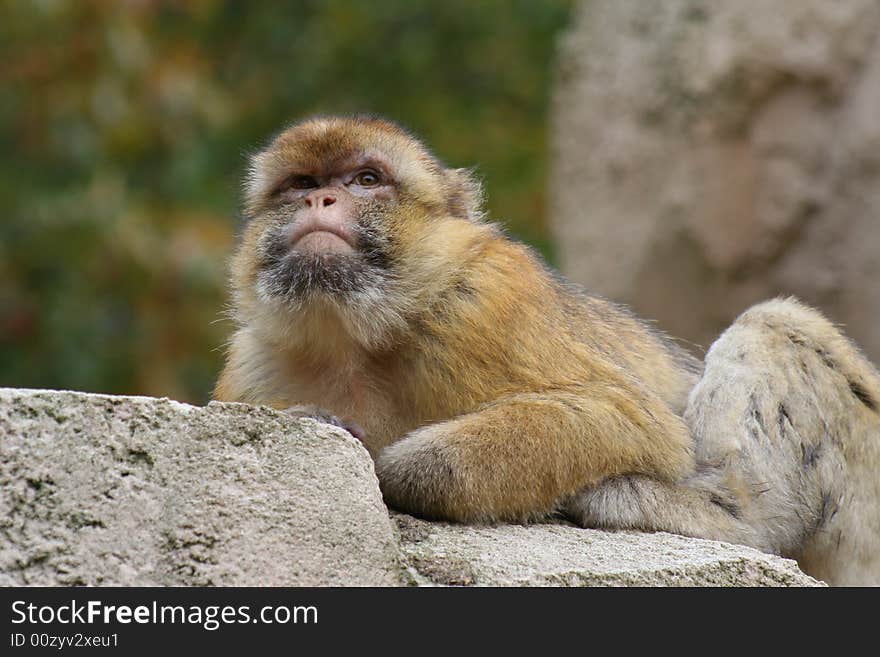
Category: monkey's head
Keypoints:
(349, 214)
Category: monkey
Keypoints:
(370, 289)
(368, 283)
(786, 427)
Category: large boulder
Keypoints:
(131, 491)
(105, 490)
(709, 155)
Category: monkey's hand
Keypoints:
(519, 458)
(319, 414)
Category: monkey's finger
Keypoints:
(321, 415)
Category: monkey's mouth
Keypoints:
(315, 236)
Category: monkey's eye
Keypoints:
(301, 182)
(367, 179)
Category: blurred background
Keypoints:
(686, 157)
(124, 128)
(710, 154)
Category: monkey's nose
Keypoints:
(320, 200)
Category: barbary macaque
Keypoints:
(370, 290)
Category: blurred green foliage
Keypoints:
(123, 131)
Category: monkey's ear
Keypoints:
(258, 182)
(464, 196)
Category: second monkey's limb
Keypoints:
(787, 437)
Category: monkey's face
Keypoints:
(351, 214)
(324, 231)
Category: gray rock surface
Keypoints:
(106, 490)
(709, 155)
(131, 491)
(564, 555)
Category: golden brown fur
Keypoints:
(488, 389)
(472, 350)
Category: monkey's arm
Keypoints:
(518, 458)
(699, 507)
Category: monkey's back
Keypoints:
(613, 330)
(505, 323)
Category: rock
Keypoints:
(709, 155)
(131, 491)
(135, 491)
(564, 555)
